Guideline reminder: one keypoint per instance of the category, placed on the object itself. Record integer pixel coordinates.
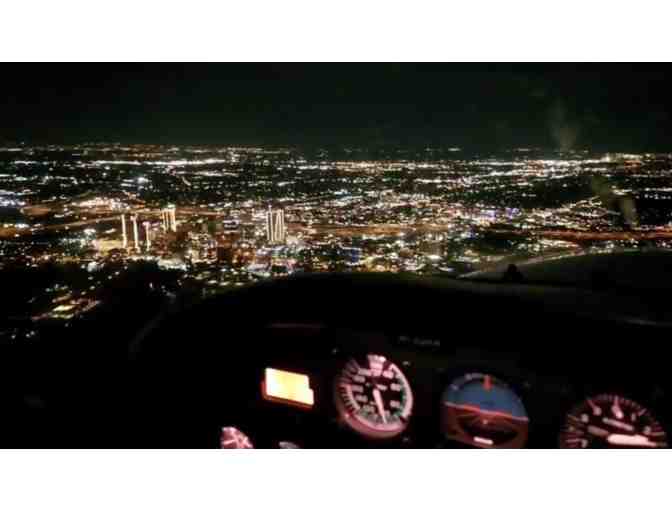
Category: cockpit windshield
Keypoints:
(82, 222)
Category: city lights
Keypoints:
(211, 219)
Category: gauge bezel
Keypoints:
(596, 396)
(357, 423)
(463, 436)
(240, 439)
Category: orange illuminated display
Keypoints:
(287, 387)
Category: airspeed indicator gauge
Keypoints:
(373, 397)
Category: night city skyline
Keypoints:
(257, 171)
(203, 218)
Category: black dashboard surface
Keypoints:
(202, 369)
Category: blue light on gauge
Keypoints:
(480, 410)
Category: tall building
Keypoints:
(136, 239)
(124, 235)
(275, 226)
(165, 219)
(169, 219)
(173, 220)
(148, 241)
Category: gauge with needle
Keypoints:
(611, 421)
(373, 397)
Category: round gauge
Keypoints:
(482, 411)
(373, 397)
(233, 439)
(611, 421)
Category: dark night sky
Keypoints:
(611, 107)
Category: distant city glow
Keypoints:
(210, 219)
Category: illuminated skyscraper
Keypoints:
(148, 242)
(169, 220)
(136, 240)
(275, 226)
(124, 236)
